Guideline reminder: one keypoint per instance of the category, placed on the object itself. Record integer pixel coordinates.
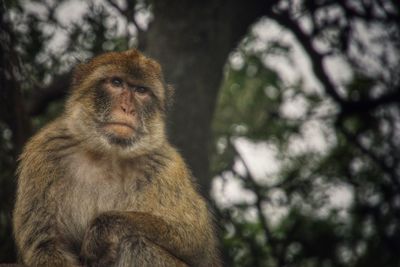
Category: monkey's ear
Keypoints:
(169, 95)
(79, 73)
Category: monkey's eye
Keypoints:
(116, 81)
(141, 89)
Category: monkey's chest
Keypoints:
(86, 198)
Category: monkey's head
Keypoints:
(118, 101)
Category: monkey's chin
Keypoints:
(121, 142)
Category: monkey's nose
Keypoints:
(126, 103)
(127, 108)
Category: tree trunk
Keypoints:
(13, 117)
(192, 40)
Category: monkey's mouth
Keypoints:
(119, 129)
(122, 124)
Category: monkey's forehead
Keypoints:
(136, 72)
(131, 62)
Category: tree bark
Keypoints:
(192, 40)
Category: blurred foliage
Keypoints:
(358, 154)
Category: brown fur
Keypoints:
(82, 200)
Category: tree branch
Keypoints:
(347, 107)
(129, 13)
(351, 107)
(257, 190)
(316, 58)
(375, 158)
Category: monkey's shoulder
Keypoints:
(175, 167)
(50, 142)
(53, 131)
(175, 177)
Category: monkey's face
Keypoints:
(122, 97)
(125, 107)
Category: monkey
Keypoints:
(101, 185)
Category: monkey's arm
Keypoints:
(110, 229)
(35, 231)
(36, 235)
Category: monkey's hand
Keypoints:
(110, 232)
(101, 241)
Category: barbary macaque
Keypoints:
(102, 186)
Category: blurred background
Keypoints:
(287, 111)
